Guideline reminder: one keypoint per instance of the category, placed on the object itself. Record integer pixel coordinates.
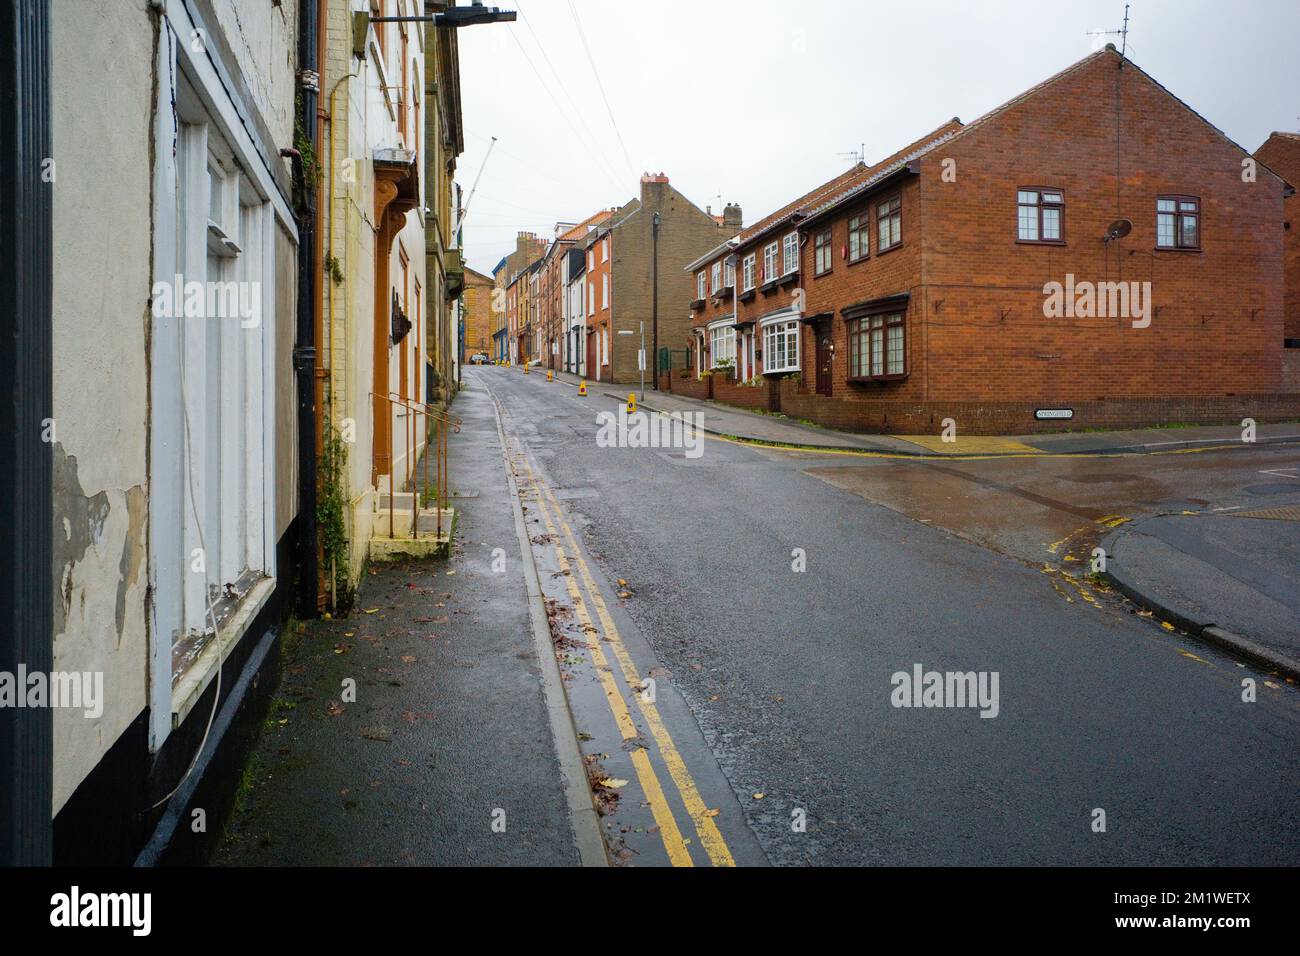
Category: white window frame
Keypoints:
(790, 253)
(716, 277)
(700, 290)
(777, 337)
(748, 270)
(722, 344)
(194, 113)
(729, 273)
(591, 299)
(604, 292)
(604, 249)
(771, 258)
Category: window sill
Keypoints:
(1192, 249)
(869, 379)
(1040, 242)
(697, 304)
(767, 288)
(188, 688)
(823, 275)
(788, 278)
(858, 261)
(747, 295)
(897, 245)
(781, 371)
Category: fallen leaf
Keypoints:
(712, 812)
(371, 610)
(408, 658)
(613, 783)
(759, 796)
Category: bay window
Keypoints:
(722, 346)
(781, 346)
(876, 346)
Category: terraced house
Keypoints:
(633, 280)
(1090, 253)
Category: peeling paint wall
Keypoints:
(103, 64)
(102, 231)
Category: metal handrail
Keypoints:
(439, 442)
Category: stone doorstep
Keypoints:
(403, 545)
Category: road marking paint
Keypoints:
(710, 837)
(970, 444)
(669, 832)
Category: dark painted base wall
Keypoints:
(108, 820)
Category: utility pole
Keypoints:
(654, 306)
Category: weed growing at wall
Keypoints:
(331, 501)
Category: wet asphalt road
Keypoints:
(788, 673)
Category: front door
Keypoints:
(824, 359)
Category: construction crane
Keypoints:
(464, 210)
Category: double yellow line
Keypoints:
(702, 818)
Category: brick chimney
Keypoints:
(732, 217)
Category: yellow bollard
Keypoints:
(631, 402)
(525, 368)
(550, 376)
(582, 387)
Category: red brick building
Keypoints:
(637, 258)
(1091, 247)
(1281, 154)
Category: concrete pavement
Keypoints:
(447, 756)
(1231, 576)
(773, 429)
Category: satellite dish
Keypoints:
(1118, 229)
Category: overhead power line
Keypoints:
(595, 154)
(559, 79)
(577, 21)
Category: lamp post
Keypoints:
(654, 305)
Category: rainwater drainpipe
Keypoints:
(304, 350)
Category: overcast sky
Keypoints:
(755, 101)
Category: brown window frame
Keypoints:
(1040, 205)
(1178, 199)
(858, 329)
(876, 206)
(863, 219)
(822, 243)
